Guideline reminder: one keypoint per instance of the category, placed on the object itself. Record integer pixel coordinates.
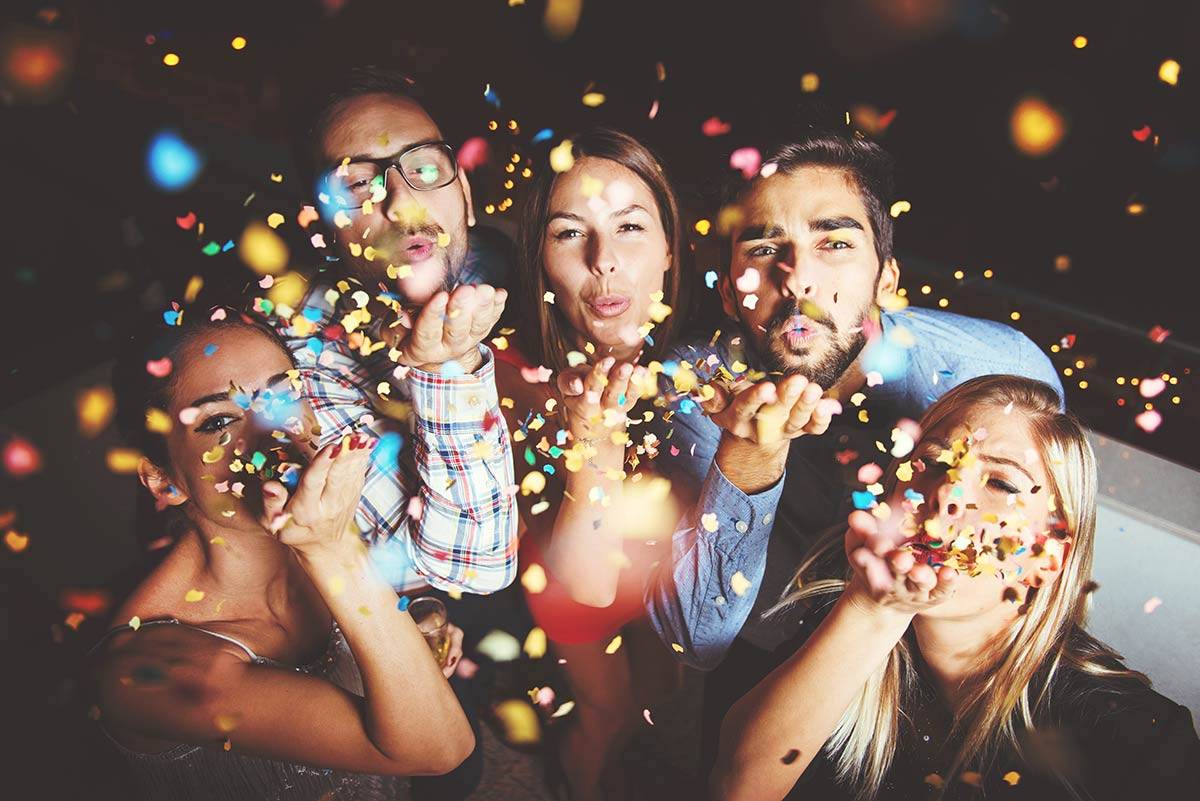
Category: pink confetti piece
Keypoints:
(536, 375)
(874, 378)
(1148, 420)
(749, 280)
(746, 159)
(159, 368)
(473, 153)
(646, 715)
(218, 314)
(307, 215)
(654, 109)
(1151, 604)
(466, 668)
(318, 240)
(714, 126)
(1158, 334)
(267, 281)
(869, 473)
(1150, 387)
(188, 416)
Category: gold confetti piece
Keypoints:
(135, 622)
(769, 422)
(1080, 42)
(213, 455)
(443, 239)
(193, 595)
(899, 207)
(16, 541)
(337, 585)
(499, 646)
(1035, 127)
(95, 408)
(172, 60)
(739, 583)
(810, 82)
(277, 177)
(613, 645)
(123, 460)
(535, 643)
(534, 579)
(677, 648)
(934, 780)
(520, 721)
(158, 421)
(561, 157)
(1168, 72)
(548, 297)
(904, 472)
(709, 521)
(703, 227)
(594, 99)
(262, 250)
(194, 285)
(275, 219)
(226, 722)
(500, 343)
(533, 483)
(539, 507)
(1012, 778)
(972, 778)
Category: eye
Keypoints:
(760, 251)
(218, 422)
(998, 483)
(838, 244)
(568, 233)
(629, 226)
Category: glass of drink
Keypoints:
(429, 614)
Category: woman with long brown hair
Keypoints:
(943, 649)
(600, 273)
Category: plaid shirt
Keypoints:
(437, 506)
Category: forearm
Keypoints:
(585, 551)
(798, 705)
(404, 690)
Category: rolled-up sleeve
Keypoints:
(699, 602)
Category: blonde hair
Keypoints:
(1012, 680)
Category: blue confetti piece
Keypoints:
(311, 314)
(670, 367)
(452, 369)
(210, 349)
(290, 479)
(560, 437)
(555, 451)
(172, 163)
(911, 494)
(315, 345)
(649, 340)
(387, 451)
(227, 246)
(687, 406)
(549, 469)
(710, 279)
(543, 135)
(621, 399)
(402, 604)
(863, 500)
(171, 317)
(489, 94)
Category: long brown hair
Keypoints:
(548, 340)
(1011, 694)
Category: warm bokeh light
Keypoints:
(238, 43)
(1036, 127)
(1080, 42)
(1168, 72)
(171, 59)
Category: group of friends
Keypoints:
(872, 525)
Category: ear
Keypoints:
(159, 483)
(466, 190)
(728, 298)
(889, 281)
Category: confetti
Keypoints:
(173, 164)
(95, 408)
(613, 646)
(123, 460)
(1148, 420)
(534, 579)
(869, 473)
(186, 221)
(646, 716)
(561, 18)
(561, 157)
(519, 720)
(810, 82)
(535, 643)
(473, 153)
(16, 541)
(746, 159)
(1158, 334)
(1012, 778)
(135, 623)
(1151, 604)
(499, 646)
(749, 280)
(159, 368)
(714, 126)
(262, 250)
(709, 521)
(900, 207)
(1035, 127)
(677, 648)
(193, 595)
(593, 99)
(710, 279)
(739, 583)
(1151, 387)
(1168, 72)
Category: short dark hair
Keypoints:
(544, 331)
(867, 164)
(311, 117)
(137, 391)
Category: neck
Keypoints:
(952, 647)
(851, 381)
(250, 569)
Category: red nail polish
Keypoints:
(336, 450)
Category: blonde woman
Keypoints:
(949, 657)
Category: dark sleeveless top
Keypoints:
(195, 773)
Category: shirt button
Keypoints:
(719, 600)
(742, 527)
(767, 518)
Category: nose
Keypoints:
(400, 200)
(602, 256)
(797, 272)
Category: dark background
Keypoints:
(89, 242)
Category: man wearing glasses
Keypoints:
(388, 342)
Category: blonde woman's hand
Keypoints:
(597, 398)
(318, 515)
(888, 576)
(456, 651)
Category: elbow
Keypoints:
(444, 755)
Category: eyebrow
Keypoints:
(224, 396)
(990, 459)
(568, 215)
(772, 230)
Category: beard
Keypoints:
(825, 369)
(439, 272)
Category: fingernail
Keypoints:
(336, 450)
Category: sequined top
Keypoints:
(195, 773)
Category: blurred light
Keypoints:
(1015, 315)
(171, 59)
(1083, 384)
(95, 408)
(173, 163)
(1080, 42)
(958, 274)
(594, 99)
(943, 303)
(262, 249)
(988, 273)
(35, 68)
(1067, 371)
(561, 18)
(810, 82)
(238, 43)
(1062, 263)
(1168, 72)
(703, 227)
(926, 289)
(21, 458)
(1036, 128)
(1135, 208)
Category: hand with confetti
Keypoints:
(886, 573)
(771, 411)
(318, 516)
(596, 399)
(448, 328)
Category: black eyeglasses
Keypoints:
(423, 167)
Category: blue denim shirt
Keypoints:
(699, 603)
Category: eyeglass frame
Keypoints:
(387, 162)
